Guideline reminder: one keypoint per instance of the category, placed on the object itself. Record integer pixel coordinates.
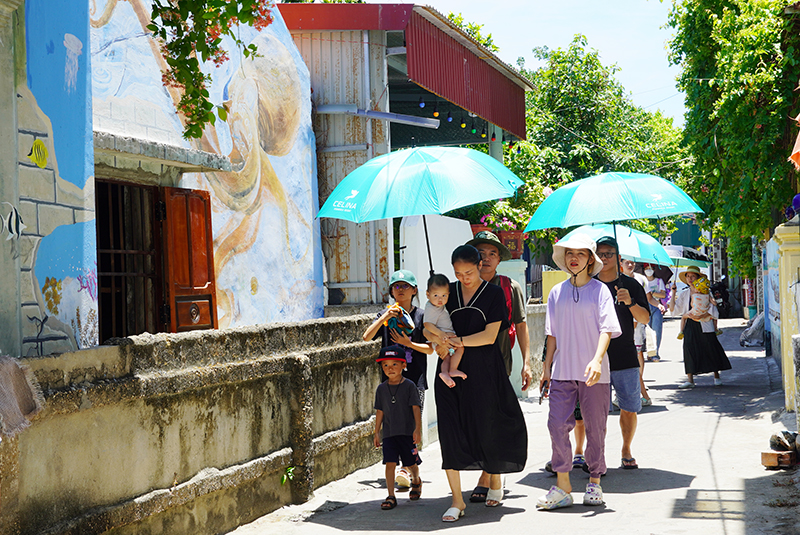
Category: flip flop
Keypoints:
(452, 514)
(478, 494)
(629, 464)
(389, 503)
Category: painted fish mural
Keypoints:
(14, 223)
(38, 154)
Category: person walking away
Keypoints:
(631, 304)
(481, 426)
(492, 253)
(398, 414)
(437, 321)
(639, 329)
(403, 289)
(579, 325)
(702, 352)
(658, 291)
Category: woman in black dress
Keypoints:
(481, 426)
(702, 352)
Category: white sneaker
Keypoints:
(687, 384)
(594, 495)
(402, 478)
(717, 382)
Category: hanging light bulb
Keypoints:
(449, 117)
(483, 132)
(421, 103)
(463, 123)
(519, 148)
(473, 129)
(436, 110)
(510, 145)
(494, 136)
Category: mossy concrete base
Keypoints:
(191, 433)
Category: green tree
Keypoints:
(739, 72)
(474, 31)
(581, 122)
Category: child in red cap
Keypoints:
(397, 410)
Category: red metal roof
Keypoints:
(441, 58)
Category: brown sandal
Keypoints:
(416, 490)
(389, 503)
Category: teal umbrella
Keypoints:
(611, 197)
(419, 181)
(633, 244)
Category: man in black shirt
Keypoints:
(630, 304)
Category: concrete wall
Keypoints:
(191, 433)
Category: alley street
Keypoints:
(698, 452)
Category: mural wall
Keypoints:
(772, 287)
(50, 227)
(266, 241)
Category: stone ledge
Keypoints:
(341, 437)
(7, 7)
(142, 507)
(186, 160)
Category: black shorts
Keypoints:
(577, 413)
(400, 447)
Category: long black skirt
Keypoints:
(702, 352)
(481, 426)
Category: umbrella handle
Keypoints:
(427, 242)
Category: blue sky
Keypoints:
(627, 33)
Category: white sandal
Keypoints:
(494, 495)
(452, 514)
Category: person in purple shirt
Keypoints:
(580, 322)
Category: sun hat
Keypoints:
(690, 269)
(403, 275)
(485, 237)
(576, 241)
(394, 352)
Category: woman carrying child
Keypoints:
(702, 352)
(580, 322)
(481, 426)
(403, 288)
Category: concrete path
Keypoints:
(698, 452)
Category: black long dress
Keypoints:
(481, 426)
(702, 352)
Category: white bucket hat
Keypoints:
(576, 241)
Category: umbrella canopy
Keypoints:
(419, 181)
(611, 197)
(686, 256)
(633, 244)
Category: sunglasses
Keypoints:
(402, 286)
(606, 255)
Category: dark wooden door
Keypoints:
(189, 258)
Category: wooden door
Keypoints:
(189, 258)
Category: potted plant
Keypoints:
(508, 223)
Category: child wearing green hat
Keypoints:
(397, 411)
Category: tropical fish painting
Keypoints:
(14, 223)
(38, 153)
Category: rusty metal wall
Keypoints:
(446, 67)
(355, 254)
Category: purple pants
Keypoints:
(594, 409)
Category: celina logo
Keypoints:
(659, 204)
(343, 205)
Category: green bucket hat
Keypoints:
(489, 238)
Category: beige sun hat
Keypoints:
(690, 269)
(576, 241)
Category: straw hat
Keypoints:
(576, 241)
(690, 269)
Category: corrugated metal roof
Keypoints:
(441, 57)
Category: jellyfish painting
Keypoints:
(74, 49)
